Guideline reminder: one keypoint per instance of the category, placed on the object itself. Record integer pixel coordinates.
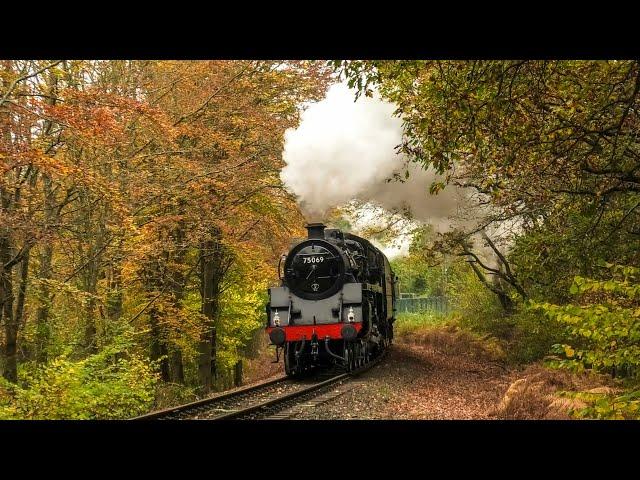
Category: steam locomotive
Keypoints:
(336, 302)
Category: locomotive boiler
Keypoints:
(335, 304)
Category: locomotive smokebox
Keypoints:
(316, 230)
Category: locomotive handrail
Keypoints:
(289, 313)
(281, 275)
(326, 346)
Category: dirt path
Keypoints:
(421, 382)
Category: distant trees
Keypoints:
(132, 192)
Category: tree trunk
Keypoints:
(91, 286)
(178, 282)
(237, 374)
(176, 365)
(22, 289)
(496, 288)
(95, 237)
(10, 370)
(7, 317)
(90, 343)
(22, 293)
(210, 259)
(158, 345)
(114, 294)
(156, 278)
(46, 256)
(42, 313)
(506, 302)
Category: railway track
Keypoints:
(264, 400)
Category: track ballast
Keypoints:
(257, 401)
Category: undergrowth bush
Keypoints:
(478, 309)
(532, 336)
(111, 384)
(603, 328)
(525, 335)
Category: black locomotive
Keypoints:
(336, 302)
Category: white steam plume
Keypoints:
(345, 150)
(340, 148)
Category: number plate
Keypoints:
(317, 259)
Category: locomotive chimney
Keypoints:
(316, 230)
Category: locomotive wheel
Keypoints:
(352, 357)
(347, 359)
(348, 355)
(287, 360)
(291, 368)
(354, 351)
(356, 356)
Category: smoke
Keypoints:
(345, 150)
(413, 195)
(340, 148)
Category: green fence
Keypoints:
(422, 304)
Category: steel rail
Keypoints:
(298, 393)
(281, 399)
(209, 400)
(253, 408)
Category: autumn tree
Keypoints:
(135, 196)
(231, 138)
(542, 146)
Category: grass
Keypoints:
(407, 323)
(445, 333)
(385, 392)
(172, 394)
